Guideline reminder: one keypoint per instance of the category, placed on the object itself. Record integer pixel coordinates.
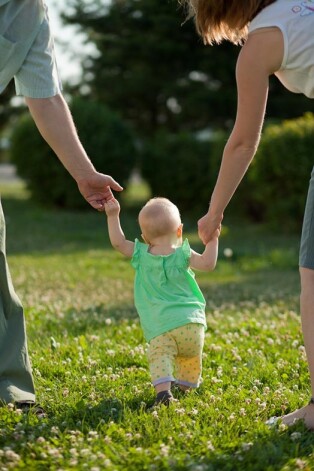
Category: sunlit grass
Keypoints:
(90, 366)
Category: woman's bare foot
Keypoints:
(306, 413)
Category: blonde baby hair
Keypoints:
(159, 217)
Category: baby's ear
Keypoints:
(145, 240)
(180, 230)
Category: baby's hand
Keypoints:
(216, 234)
(112, 207)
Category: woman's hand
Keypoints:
(209, 227)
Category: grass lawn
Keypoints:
(89, 363)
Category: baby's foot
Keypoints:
(305, 413)
(164, 397)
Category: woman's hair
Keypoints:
(217, 20)
(159, 217)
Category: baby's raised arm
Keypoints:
(116, 234)
(207, 260)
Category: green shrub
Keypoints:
(106, 139)
(178, 167)
(281, 170)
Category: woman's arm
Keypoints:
(260, 57)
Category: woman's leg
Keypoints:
(307, 318)
(16, 383)
(307, 302)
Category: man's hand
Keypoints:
(96, 189)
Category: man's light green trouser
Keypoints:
(16, 382)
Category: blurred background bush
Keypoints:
(154, 100)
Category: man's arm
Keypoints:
(55, 123)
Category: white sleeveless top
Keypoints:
(295, 19)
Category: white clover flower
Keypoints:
(85, 452)
(210, 446)
(228, 252)
(10, 455)
(295, 436)
(164, 449)
(40, 440)
(246, 446)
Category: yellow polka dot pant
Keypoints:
(177, 356)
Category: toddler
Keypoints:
(169, 302)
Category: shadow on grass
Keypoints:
(271, 451)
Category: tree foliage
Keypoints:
(106, 139)
(153, 68)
